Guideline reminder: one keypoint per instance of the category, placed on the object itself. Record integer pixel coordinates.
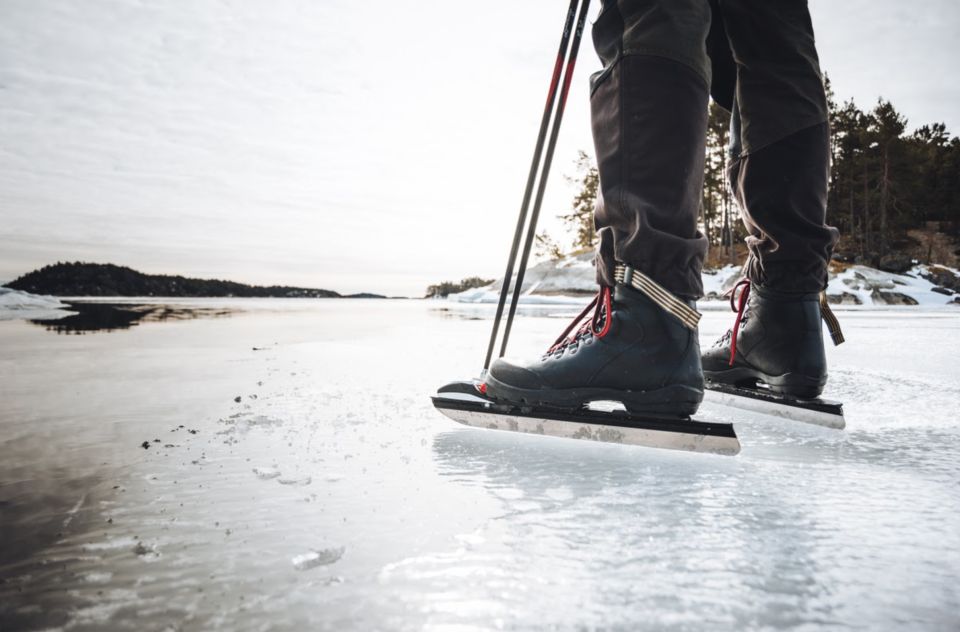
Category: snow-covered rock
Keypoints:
(862, 285)
(719, 281)
(16, 304)
(570, 279)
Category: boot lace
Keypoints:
(739, 308)
(739, 305)
(598, 325)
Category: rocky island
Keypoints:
(105, 279)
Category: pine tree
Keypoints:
(580, 220)
(546, 246)
(888, 126)
(847, 147)
(717, 211)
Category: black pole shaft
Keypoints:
(545, 172)
(531, 178)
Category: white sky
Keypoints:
(376, 146)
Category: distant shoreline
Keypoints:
(106, 280)
(161, 299)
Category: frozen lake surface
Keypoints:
(296, 476)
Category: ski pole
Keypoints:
(545, 172)
(535, 163)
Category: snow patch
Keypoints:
(572, 279)
(561, 282)
(718, 282)
(868, 286)
(16, 304)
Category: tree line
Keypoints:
(442, 289)
(883, 182)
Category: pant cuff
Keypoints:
(795, 277)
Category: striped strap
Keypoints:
(658, 294)
(833, 325)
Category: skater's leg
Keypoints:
(778, 172)
(781, 162)
(649, 112)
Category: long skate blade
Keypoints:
(820, 412)
(470, 408)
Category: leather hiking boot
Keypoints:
(632, 351)
(777, 340)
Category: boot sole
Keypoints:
(676, 400)
(794, 385)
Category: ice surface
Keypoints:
(447, 527)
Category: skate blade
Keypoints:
(820, 412)
(469, 407)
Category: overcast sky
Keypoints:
(378, 146)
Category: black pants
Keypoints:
(662, 59)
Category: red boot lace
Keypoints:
(601, 306)
(739, 309)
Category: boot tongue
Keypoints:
(598, 324)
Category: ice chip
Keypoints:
(145, 552)
(318, 558)
(302, 481)
(266, 473)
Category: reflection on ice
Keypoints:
(98, 316)
(467, 311)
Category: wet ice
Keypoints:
(340, 485)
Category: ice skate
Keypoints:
(630, 350)
(629, 372)
(773, 359)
